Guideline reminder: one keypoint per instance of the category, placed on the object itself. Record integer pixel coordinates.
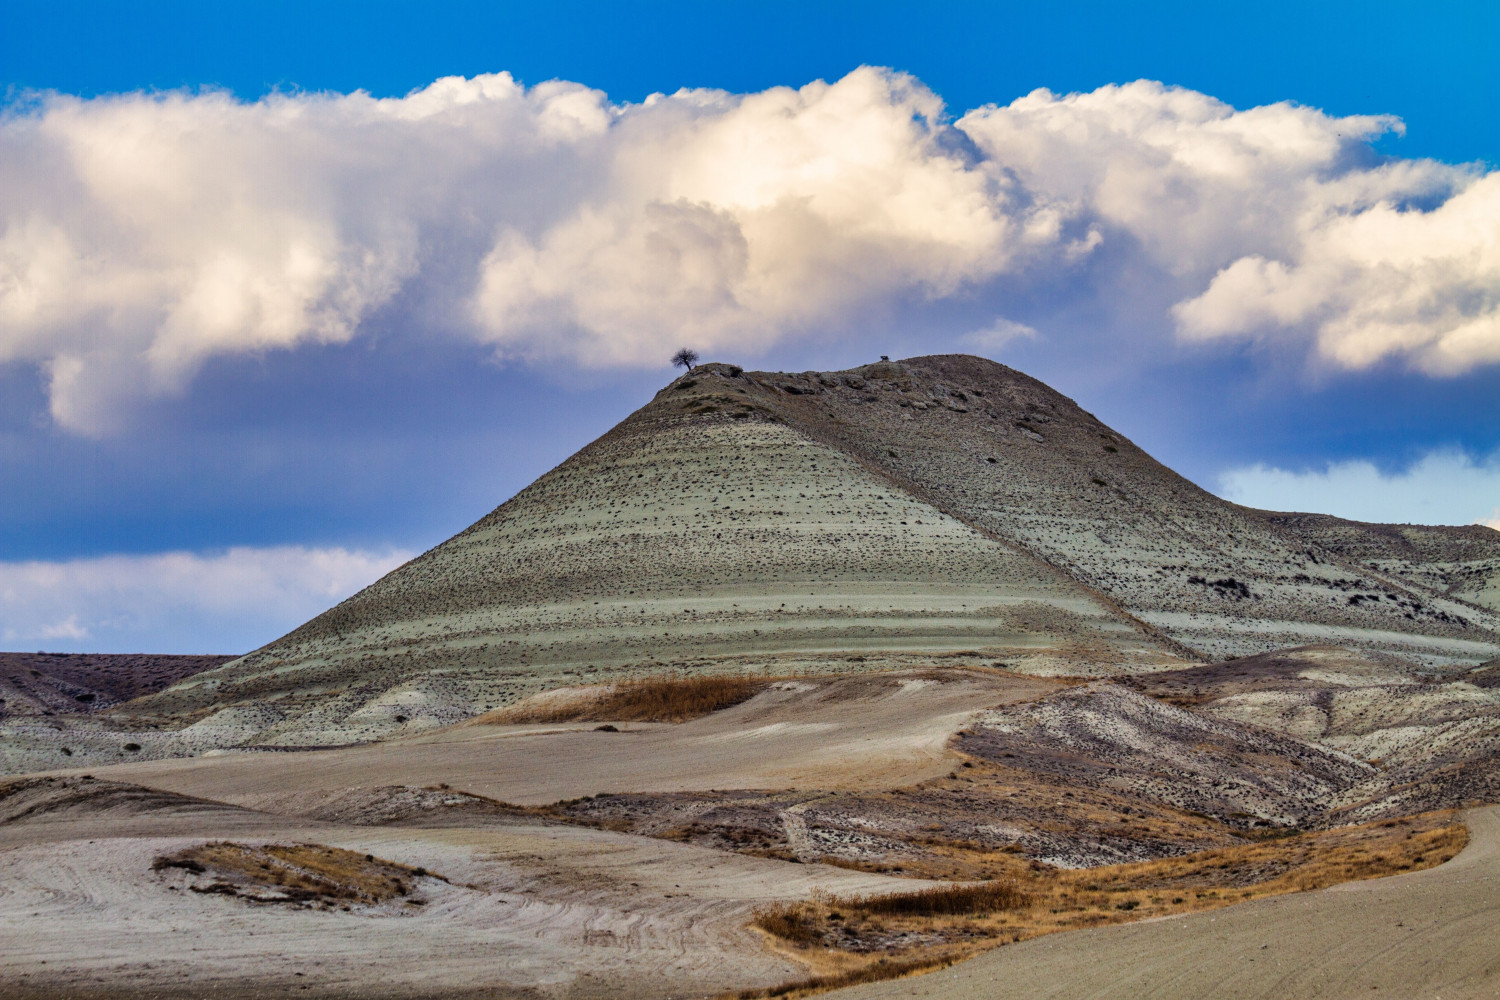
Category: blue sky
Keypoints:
(214, 421)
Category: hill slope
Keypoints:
(1461, 562)
(822, 521)
(1006, 453)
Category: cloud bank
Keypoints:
(231, 602)
(1444, 487)
(143, 234)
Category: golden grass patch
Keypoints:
(651, 699)
(845, 940)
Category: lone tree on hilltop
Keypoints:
(685, 358)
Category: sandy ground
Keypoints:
(541, 911)
(531, 911)
(1434, 933)
(863, 732)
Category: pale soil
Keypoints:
(1434, 933)
(1091, 774)
(531, 911)
(536, 908)
(862, 732)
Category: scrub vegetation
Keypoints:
(652, 699)
(866, 938)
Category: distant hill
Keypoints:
(877, 517)
(68, 683)
(1459, 562)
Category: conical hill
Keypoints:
(886, 515)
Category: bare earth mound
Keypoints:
(307, 875)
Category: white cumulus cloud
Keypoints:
(142, 234)
(1443, 487)
(999, 333)
(227, 602)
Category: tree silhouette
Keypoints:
(685, 358)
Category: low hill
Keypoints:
(1461, 562)
(43, 684)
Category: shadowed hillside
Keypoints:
(45, 684)
(1462, 562)
(1009, 455)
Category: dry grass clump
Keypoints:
(1295, 863)
(839, 919)
(918, 930)
(874, 972)
(796, 923)
(304, 874)
(947, 900)
(651, 699)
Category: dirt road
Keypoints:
(1434, 934)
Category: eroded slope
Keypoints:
(1430, 741)
(1013, 457)
(1462, 562)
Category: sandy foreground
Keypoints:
(1433, 933)
(550, 911)
(529, 910)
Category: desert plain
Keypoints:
(909, 680)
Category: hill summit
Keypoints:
(884, 516)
